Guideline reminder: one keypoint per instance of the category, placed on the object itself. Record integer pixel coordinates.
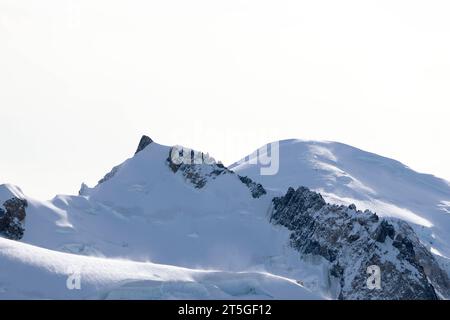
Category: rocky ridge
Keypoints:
(199, 168)
(351, 241)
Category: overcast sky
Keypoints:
(81, 81)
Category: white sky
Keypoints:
(81, 81)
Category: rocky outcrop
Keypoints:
(196, 167)
(110, 174)
(12, 218)
(84, 190)
(352, 242)
(145, 141)
(256, 189)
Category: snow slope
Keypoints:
(145, 212)
(344, 174)
(30, 272)
(146, 231)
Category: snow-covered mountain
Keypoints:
(346, 175)
(154, 228)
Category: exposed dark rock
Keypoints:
(145, 141)
(12, 218)
(301, 200)
(351, 240)
(196, 167)
(384, 230)
(110, 174)
(84, 190)
(256, 189)
(15, 207)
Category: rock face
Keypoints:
(351, 241)
(256, 189)
(110, 174)
(12, 218)
(196, 167)
(84, 190)
(145, 141)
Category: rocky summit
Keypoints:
(145, 141)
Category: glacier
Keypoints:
(151, 230)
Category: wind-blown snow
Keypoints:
(29, 272)
(344, 174)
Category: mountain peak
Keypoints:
(145, 141)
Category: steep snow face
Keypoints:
(145, 211)
(147, 182)
(152, 211)
(343, 174)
